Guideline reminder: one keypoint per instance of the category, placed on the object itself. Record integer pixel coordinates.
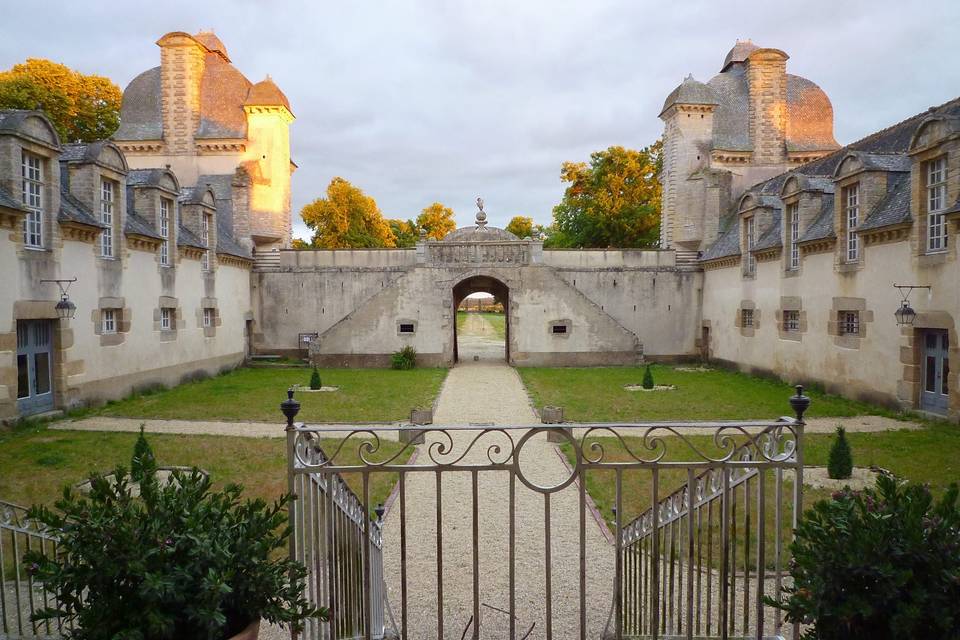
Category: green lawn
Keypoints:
(497, 320)
(254, 394)
(597, 395)
(38, 462)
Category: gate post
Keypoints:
(291, 408)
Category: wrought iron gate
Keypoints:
(697, 564)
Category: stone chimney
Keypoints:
(181, 69)
(767, 79)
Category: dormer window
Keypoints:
(936, 204)
(165, 232)
(107, 192)
(32, 174)
(750, 239)
(793, 216)
(205, 236)
(851, 218)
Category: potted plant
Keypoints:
(179, 561)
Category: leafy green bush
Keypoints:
(181, 561)
(315, 380)
(882, 563)
(143, 463)
(840, 461)
(647, 378)
(404, 359)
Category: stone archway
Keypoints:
(485, 284)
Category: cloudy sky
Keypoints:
(424, 101)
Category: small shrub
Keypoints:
(647, 378)
(840, 462)
(880, 563)
(315, 380)
(143, 463)
(404, 359)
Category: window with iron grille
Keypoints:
(407, 328)
(166, 318)
(849, 323)
(106, 217)
(746, 317)
(851, 208)
(209, 316)
(108, 318)
(793, 214)
(205, 236)
(165, 232)
(791, 321)
(32, 184)
(936, 204)
(750, 233)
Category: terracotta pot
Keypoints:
(250, 633)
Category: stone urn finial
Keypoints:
(481, 216)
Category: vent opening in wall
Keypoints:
(559, 328)
(406, 327)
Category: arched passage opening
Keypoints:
(485, 344)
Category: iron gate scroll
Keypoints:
(696, 564)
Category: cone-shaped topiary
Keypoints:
(315, 380)
(143, 463)
(840, 462)
(647, 378)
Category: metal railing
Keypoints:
(330, 525)
(20, 597)
(674, 575)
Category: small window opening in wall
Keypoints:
(746, 317)
(166, 318)
(559, 328)
(850, 323)
(791, 320)
(109, 324)
(406, 328)
(208, 316)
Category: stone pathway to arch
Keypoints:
(491, 392)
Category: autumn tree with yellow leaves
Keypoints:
(346, 218)
(520, 226)
(436, 220)
(81, 107)
(614, 201)
(404, 232)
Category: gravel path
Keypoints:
(489, 392)
(199, 427)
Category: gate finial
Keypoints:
(481, 216)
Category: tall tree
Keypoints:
(346, 218)
(81, 107)
(405, 232)
(614, 201)
(437, 220)
(521, 226)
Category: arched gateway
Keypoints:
(355, 307)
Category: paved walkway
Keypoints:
(491, 392)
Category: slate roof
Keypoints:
(72, 210)
(728, 244)
(145, 177)
(690, 91)
(7, 201)
(883, 161)
(739, 53)
(894, 208)
(822, 227)
(772, 237)
(266, 93)
(186, 238)
(136, 224)
(222, 187)
(141, 117)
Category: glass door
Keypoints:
(34, 366)
(935, 392)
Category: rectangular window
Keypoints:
(406, 328)
(791, 321)
(32, 176)
(106, 217)
(108, 318)
(849, 323)
(208, 317)
(165, 232)
(746, 317)
(559, 328)
(851, 206)
(166, 319)
(205, 236)
(793, 214)
(750, 266)
(936, 204)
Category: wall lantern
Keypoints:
(905, 315)
(66, 310)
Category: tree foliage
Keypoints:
(81, 107)
(614, 201)
(840, 461)
(436, 220)
(404, 232)
(346, 218)
(521, 226)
